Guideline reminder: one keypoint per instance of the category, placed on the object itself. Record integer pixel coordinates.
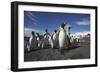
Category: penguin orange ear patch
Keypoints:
(52, 36)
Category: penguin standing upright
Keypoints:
(62, 36)
(38, 40)
(32, 41)
(68, 32)
(45, 42)
(55, 38)
(51, 42)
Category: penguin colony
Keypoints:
(59, 39)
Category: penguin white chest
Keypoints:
(55, 37)
(62, 38)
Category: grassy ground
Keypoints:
(79, 52)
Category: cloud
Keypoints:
(27, 31)
(32, 17)
(83, 22)
(82, 34)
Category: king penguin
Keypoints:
(55, 38)
(32, 41)
(62, 36)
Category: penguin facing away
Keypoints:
(62, 36)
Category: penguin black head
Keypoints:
(33, 33)
(55, 30)
(69, 28)
(63, 25)
(37, 34)
(46, 30)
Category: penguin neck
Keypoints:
(62, 29)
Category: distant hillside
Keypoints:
(86, 38)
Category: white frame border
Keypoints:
(22, 64)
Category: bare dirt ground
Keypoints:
(79, 52)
